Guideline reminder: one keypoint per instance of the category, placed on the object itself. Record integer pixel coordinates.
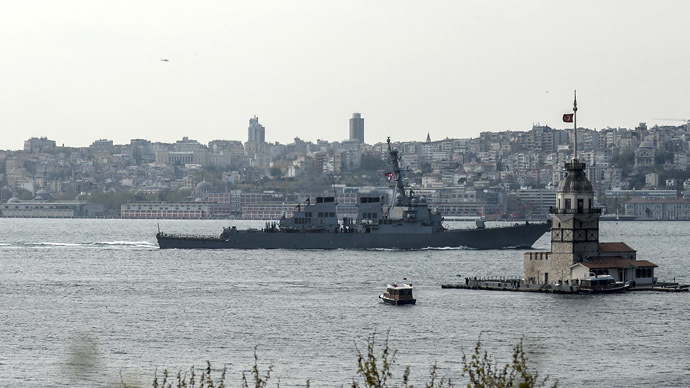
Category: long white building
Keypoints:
(175, 210)
(50, 209)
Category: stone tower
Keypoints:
(574, 229)
(575, 221)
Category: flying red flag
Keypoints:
(568, 118)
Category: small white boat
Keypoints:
(397, 294)
(601, 284)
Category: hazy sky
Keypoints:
(77, 71)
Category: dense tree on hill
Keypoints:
(111, 201)
(24, 195)
(625, 160)
(276, 172)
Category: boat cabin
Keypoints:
(597, 281)
(594, 284)
(397, 294)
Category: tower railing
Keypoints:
(553, 210)
(574, 165)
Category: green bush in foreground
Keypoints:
(483, 372)
(375, 371)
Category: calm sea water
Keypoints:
(84, 302)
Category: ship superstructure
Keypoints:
(406, 223)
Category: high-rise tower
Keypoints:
(357, 127)
(257, 132)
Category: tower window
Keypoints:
(567, 203)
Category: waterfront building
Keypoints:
(539, 200)
(463, 209)
(646, 194)
(228, 203)
(658, 209)
(575, 248)
(5, 193)
(267, 211)
(172, 210)
(38, 208)
(618, 260)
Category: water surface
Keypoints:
(85, 301)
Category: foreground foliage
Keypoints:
(484, 373)
(375, 370)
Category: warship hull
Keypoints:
(508, 237)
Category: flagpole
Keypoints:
(575, 122)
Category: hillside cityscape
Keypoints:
(639, 173)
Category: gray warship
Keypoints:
(408, 223)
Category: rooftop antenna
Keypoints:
(397, 174)
(575, 123)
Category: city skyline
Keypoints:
(79, 71)
(256, 129)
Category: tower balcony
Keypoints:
(553, 210)
(575, 165)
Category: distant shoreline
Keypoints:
(459, 219)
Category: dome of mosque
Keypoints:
(203, 187)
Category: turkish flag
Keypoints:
(568, 118)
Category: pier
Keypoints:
(520, 285)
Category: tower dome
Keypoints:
(575, 192)
(576, 180)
